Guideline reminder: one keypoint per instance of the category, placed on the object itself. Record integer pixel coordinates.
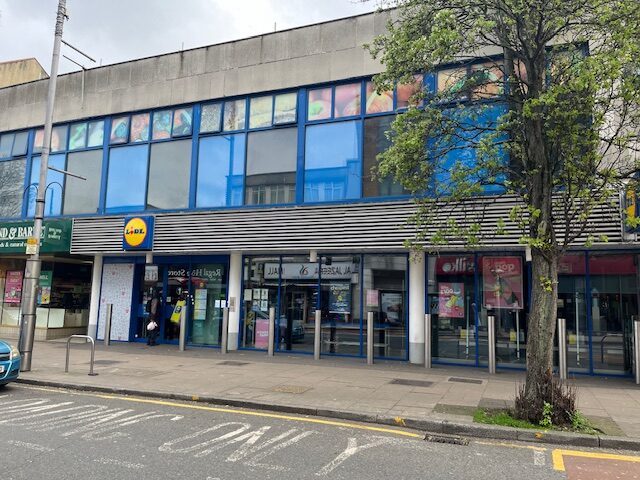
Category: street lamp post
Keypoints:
(32, 270)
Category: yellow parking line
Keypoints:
(558, 457)
(239, 412)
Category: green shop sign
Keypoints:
(56, 236)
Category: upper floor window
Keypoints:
(13, 144)
(86, 134)
(58, 139)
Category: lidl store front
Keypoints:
(208, 266)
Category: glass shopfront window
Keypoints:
(341, 325)
(333, 167)
(298, 303)
(11, 187)
(451, 304)
(260, 293)
(613, 301)
(502, 295)
(572, 307)
(220, 171)
(208, 298)
(271, 167)
(385, 294)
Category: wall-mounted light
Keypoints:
(313, 256)
(148, 258)
(527, 254)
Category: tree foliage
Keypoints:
(566, 74)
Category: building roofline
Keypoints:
(226, 42)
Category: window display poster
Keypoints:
(340, 298)
(262, 333)
(200, 304)
(265, 294)
(44, 293)
(451, 300)
(373, 298)
(13, 287)
(502, 282)
(248, 295)
(391, 307)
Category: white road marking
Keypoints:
(539, 458)
(352, 449)
(30, 446)
(254, 462)
(119, 463)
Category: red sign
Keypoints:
(502, 282)
(13, 287)
(262, 333)
(454, 265)
(451, 300)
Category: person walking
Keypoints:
(152, 324)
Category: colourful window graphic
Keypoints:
(285, 108)
(487, 81)
(182, 121)
(378, 102)
(347, 100)
(260, 112)
(119, 130)
(406, 93)
(38, 140)
(452, 83)
(140, 127)
(59, 138)
(78, 136)
(211, 117)
(162, 124)
(319, 104)
(234, 115)
(96, 134)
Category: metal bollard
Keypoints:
(225, 330)
(272, 331)
(316, 335)
(491, 331)
(370, 338)
(636, 349)
(562, 348)
(93, 353)
(427, 340)
(183, 328)
(107, 325)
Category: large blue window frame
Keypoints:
(127, 178)
(220, 173)
(303, 176)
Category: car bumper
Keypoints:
(11, 371)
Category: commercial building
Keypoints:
(241, 173)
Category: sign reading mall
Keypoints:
(56, 236)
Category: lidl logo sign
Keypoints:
(137, 233)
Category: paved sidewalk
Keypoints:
(332, 386)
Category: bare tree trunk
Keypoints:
(541, 332)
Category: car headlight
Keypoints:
(15, 353)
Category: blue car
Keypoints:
(9, 363)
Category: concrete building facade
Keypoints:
(239, 174)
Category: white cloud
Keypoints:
(118, 30)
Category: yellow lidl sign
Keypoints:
(137, 233)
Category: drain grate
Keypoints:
(411, 383)
(465, 380)
(106, 362)
(296, 389)
(448, 439)
(233, 363)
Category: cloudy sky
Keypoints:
(116, 30)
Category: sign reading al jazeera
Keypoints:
(137, 233)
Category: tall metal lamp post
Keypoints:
(34, 263)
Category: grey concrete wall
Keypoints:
(314, 54)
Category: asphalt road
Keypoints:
(58, 434)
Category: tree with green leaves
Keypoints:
(564, 79)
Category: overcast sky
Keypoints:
(116, 30)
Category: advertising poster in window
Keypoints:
(13, 287)
(451, 300)
(262, 333)
(200, 304)
(502, 282)
(44, 293)
(391, 307)
(340, 298)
